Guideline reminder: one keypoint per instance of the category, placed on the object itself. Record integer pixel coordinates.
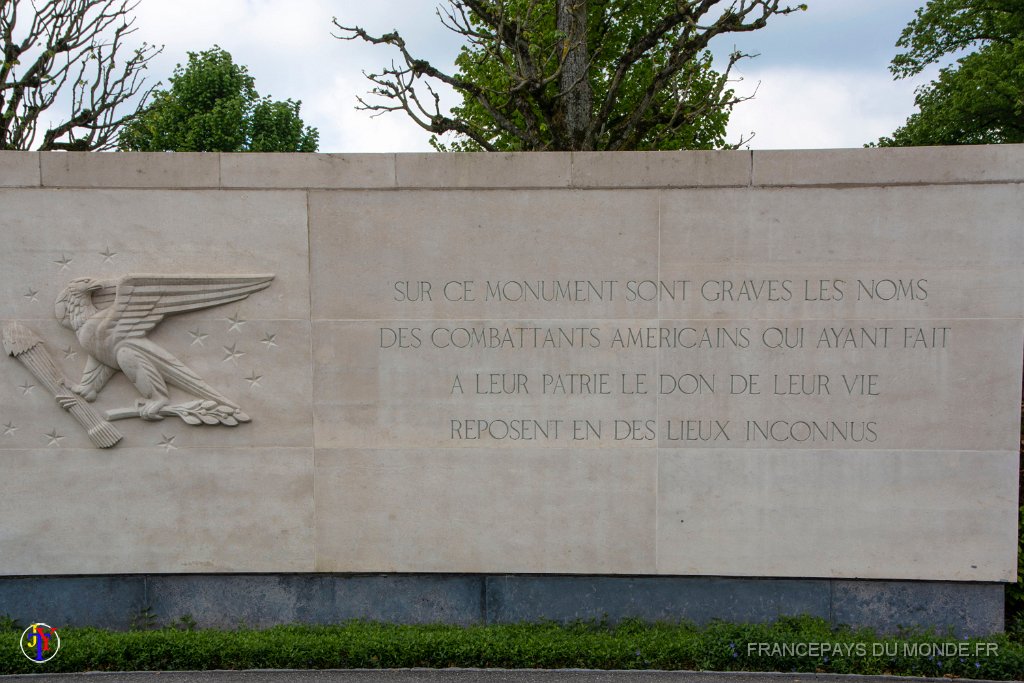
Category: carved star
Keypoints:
(32, 295)
(268, 340)
(232, 354)
(198, 336)
(64, 262)
(10, 428)
(236, 322)
(108, 255)
(253, 379)
(26, 388)
(53, 437)
(69, 353)
(167, 443)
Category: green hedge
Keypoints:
(788, 645)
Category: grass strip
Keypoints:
(800, 644)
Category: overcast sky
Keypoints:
(821, 76)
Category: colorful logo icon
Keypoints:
(40, 642)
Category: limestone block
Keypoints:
(254, 351)
(19, 169)
(478, 510)
(307, 170)
(86, 511)
(131, 169)
(960, 227)
(661, 169)
(862, 514)
(483, 170)
(897, 165)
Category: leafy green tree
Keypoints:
(574, 74)
(213, 106)
(979, 99)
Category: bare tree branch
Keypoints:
(68, 56)
(397, 84)
(537, 75)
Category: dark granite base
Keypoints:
(230, 600)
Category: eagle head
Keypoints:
(74, 304)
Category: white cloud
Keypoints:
(343, 128)
(807, 108)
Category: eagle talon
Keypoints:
(85, 391)
(151, 410)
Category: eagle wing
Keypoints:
(142, 301)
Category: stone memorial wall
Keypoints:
(795, 369)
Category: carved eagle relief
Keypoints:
(111, 319)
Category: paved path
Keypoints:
(456, 676)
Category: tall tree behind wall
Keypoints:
(212, 106)
(573, 74)
(979, 98)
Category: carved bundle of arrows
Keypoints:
(25, 345)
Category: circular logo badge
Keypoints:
(40, 642)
